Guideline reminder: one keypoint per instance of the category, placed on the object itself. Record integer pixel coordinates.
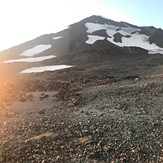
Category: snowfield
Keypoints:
(135, 40)
(93, 38)
(56, 38)
(45, 68)
(138, 40)
(31, 59)
(35, 50)
(92, 27)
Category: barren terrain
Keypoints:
(102, 112)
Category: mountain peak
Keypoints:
(103, 20)
(92, 39)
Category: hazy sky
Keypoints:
(22, 20)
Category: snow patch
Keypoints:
(45, 68)
(110, 29)
(31, 59)
(136, 39)
(92, 27)
(156, 51)
(35, 50)
(93, 38)
(128, 30)
(56, 38)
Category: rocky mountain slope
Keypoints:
(91, 40)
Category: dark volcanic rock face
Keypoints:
(91, 40)
(147, 30)
(118, 37)
(157, 37)
(100, 33)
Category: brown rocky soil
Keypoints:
(104, 113)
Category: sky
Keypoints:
(23, 20)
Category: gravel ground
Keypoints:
(90, 120)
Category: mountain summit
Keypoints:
(93, 39)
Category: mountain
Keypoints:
(106, 108)
(91, 40)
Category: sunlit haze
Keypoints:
(23, 20)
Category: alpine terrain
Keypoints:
(90, 93)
